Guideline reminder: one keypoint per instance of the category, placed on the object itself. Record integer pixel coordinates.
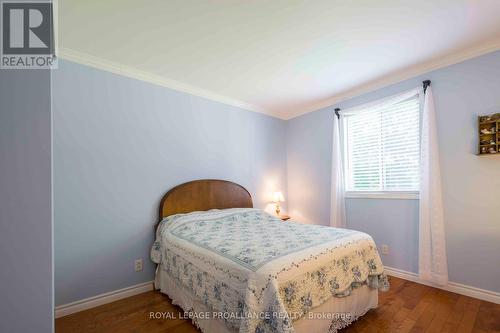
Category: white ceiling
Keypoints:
(280, 57)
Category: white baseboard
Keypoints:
(91, 302)
(462, 289)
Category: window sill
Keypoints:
(408, 195)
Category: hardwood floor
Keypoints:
(407, 307)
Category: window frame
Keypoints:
(407, 195)
(387, 194)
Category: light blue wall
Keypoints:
(119, 145)
(391, 222)
(471, 184)
(25, 202)
(309, 151)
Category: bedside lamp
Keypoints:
(277, 198)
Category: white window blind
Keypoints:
(382, 146)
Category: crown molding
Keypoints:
(401, 75)
(386, 80)
(131, 72)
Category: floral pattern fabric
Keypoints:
(262, 272)
(255, 236)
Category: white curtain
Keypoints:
(337, 206)
(432, 263)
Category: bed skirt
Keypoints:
(334, 314)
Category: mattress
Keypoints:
(258, 274)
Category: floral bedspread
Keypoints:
(260, 272)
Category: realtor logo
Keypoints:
(27, 35)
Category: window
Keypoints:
(382, 147)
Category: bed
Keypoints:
(235, 268)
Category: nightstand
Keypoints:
(284, 217)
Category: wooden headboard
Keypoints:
(204, 194)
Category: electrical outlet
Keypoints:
(138, 265)
(385, 249)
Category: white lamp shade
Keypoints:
(278, 197)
